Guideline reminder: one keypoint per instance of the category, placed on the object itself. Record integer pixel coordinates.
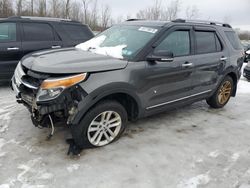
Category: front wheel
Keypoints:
(222, 95)
(102, 125)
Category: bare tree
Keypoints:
(55, 9)
(172, 10)
(42, 8)
(151, 13)
(85, 10)
(157, 11)
(19, 7)
(105, 17)
(6, 8)
(67, 8)
(32, 7)
(192, 12)
(75, 11)
(93, 22)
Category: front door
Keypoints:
(170, 82)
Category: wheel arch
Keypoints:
(235, 80)
(126, 96)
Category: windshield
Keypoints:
(122, 42)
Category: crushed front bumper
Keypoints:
(61, 109)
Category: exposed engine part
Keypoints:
(52, 128)
(72, 113)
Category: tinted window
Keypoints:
(37, 32)
(177, 42)
(207, 42)
(77, 32)
(7, 32)
(234, 40)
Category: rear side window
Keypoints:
(77, 32)
(177, 42)
(207, 42)
(234, 40)
(7, 32)
(38, 32)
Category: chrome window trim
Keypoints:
(176, 100)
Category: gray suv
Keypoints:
(130, 71)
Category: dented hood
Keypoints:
(70, 60)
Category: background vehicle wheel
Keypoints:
(222, 95)
(102, 125)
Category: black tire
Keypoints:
(213, 101)
(80, 132)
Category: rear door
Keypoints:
(10, 49)
(38, 36)
(210, 59)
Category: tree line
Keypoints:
(97, 16)
(86, 11)
(244, 35)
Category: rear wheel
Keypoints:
(222, 95)
(102, 125)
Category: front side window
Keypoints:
(7, 32)
(122, 41)
(207, 42)
(177, 42)
(37, 32)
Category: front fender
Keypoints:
(97, 95)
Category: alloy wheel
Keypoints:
(104, 128)
(225, 92)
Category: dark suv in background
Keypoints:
(22, 35)
(130, 71)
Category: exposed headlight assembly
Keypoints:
(53, 87)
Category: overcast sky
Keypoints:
(236, 11)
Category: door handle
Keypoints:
(223, 58)
(12, 48)
(187, 65)
(55, 47)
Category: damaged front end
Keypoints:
(51, 99)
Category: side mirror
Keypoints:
(161, 56)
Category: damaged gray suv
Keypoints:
(130, 71)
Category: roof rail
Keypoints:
(202, 22)
(39, 18)
(133, 19)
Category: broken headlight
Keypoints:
(53, 87)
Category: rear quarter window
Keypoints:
(77, 32)
(233, 39)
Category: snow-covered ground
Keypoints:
(192, 147)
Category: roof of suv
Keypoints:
(46, 19)
(177, 21)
